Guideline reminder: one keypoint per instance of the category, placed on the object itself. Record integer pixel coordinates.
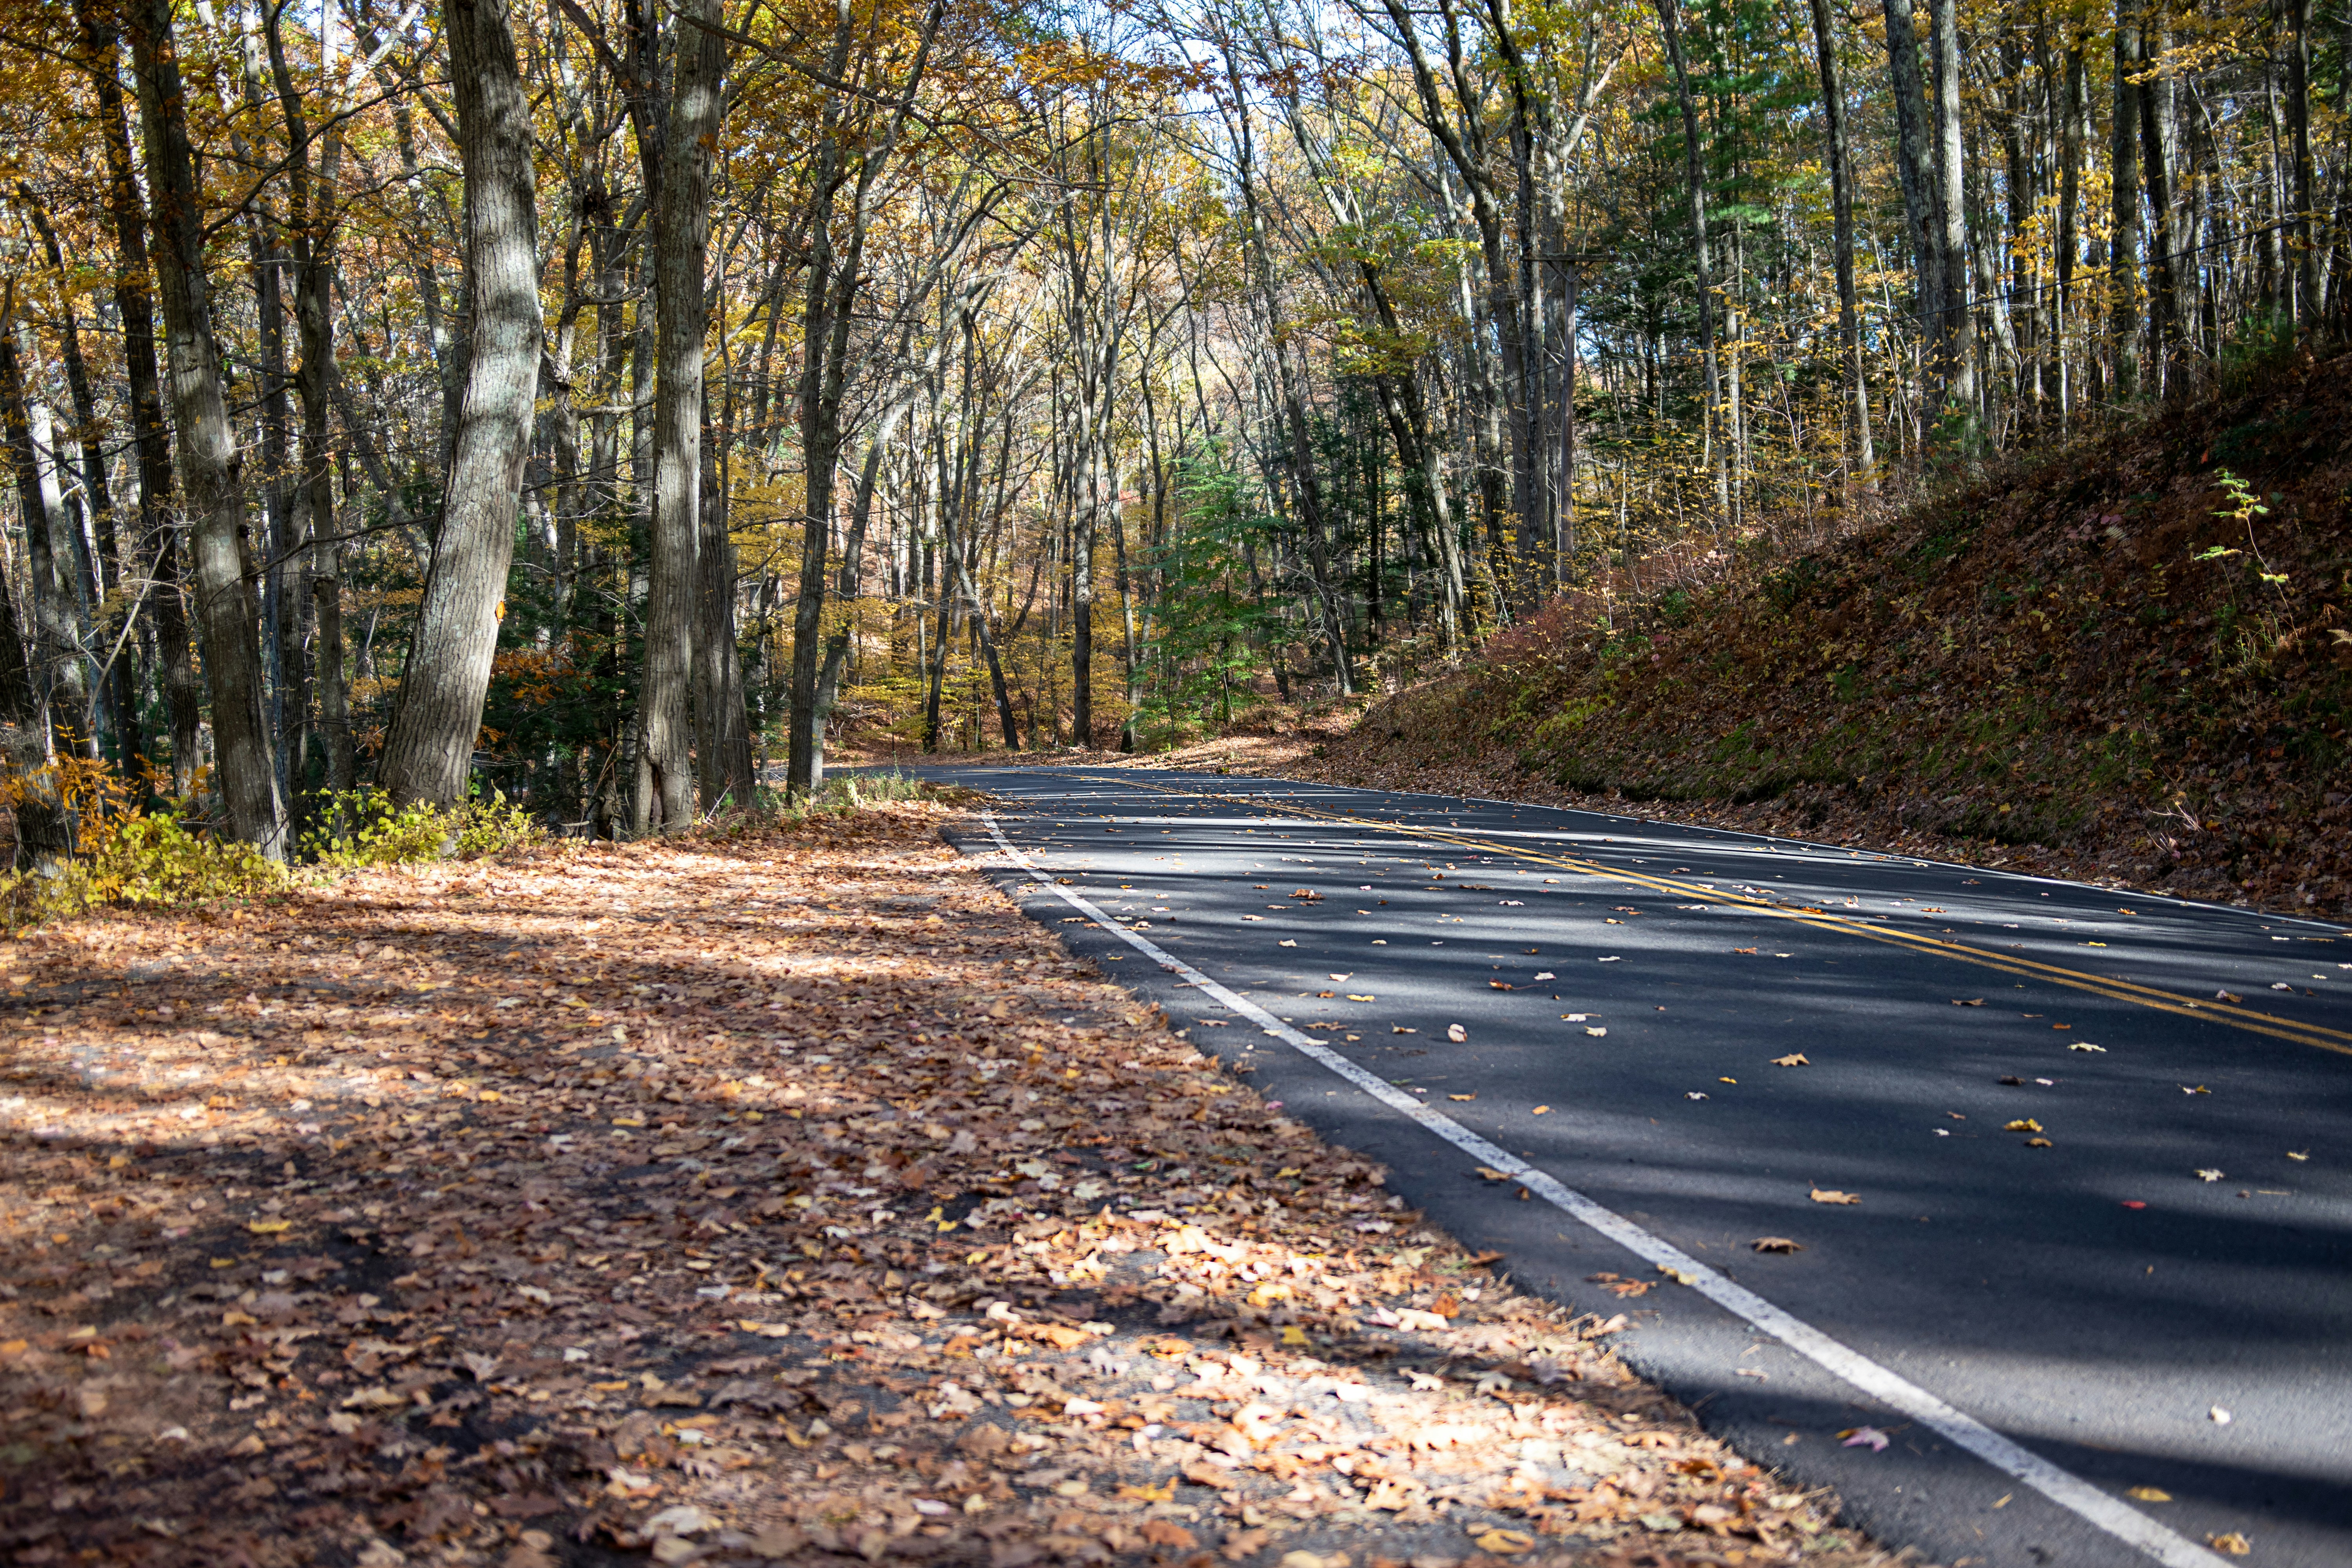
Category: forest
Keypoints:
(604, 406)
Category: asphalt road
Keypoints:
(2042, 1321)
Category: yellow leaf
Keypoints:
(2149, 1494)
(1164, 1492)
(2026, 1124)
(270, 1227)
(1797, 1060)
(1504, 1543)
(1831, 1195)
(2233, 1544)
(1292, 1334)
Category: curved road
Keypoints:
(2096, 1289)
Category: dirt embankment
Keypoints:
(2103, 662)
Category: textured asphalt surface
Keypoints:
(2099, 1299)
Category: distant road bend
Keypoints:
(2103, 1250)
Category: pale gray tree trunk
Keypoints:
(212, 476)
(429, 751)
(681, 240)
(58, 676)
(1955, 336)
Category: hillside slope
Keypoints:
(2049, 666)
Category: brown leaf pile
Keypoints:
(785, 1197)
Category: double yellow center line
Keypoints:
(2236, 1016)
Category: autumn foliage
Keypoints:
(2101, 657)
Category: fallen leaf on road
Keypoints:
(1401, 1030)
(270, 1227)
(1353, 997)
(1493, 1174)
(1597, 1034)
(1541, 1110)
(1678, 1276)
(2219, 1416)
(1546, 974)
(2085, 1045)
(2037, 1143)
(1968, 1001)
(1457, 1033)
(1796, 1060)
(1501, 985)
(2226, 996)
(2233, 1544)
(1776, 1243)
(2025, 1124)
(1693, 1095)
(2298, 1158)
(2149, 1494)
(2207, 1175)
(1612, 959)
(1460, 1097)
(1831, 1195)
(1869, 1437)
(2135, 1204)
(1501, 1542)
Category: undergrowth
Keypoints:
(123, 851)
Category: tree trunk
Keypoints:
(2123, 243)
(2072, 133)
(1695, 191)
(58, 676)
(117, 685)
(1841, 162)
(1911, 169)
(723, 747)
(681, 241)
(2298, 134)
(211, 471)
(1954, 354)
(156, 540)
(429, 751)
(2156, 164)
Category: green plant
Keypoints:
(123, 853)
(364, 827)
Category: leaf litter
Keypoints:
(781, 1195)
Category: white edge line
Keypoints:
(2067, 1490)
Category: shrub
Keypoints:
(122, 853)
(364, 827)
